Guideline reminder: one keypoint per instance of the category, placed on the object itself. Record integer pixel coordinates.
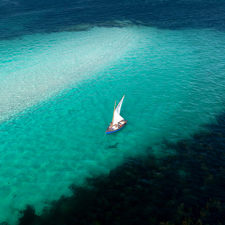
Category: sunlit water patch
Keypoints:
(35, 67)
(65, 86)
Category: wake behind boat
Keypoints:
(118, 121)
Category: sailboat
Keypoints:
(118, 121)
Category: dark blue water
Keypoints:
(24, 17)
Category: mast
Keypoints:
(113, 111)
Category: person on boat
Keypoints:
(110, 125)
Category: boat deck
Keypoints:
(116, 127)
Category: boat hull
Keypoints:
(110, 131)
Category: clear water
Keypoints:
(57, 92)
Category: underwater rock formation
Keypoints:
(185, 188)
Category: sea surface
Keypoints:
(64, 63)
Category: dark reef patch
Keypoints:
(184, 188)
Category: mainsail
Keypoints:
(116, 116)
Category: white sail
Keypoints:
(116, 116)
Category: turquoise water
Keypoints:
(57, 96)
